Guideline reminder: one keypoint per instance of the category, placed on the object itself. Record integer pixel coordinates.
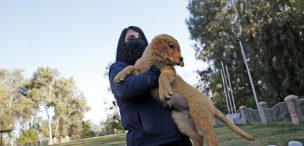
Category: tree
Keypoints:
(70, 106)
(41, 90)
(21, 100)
(111, 124)
(13, 105)
(61, 95)
(29, 136)
(87, 129)
(272, 33)
(113, 121)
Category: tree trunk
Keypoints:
(56, 129)
(10, 135)
(11, 138)
(46, 108)
(50, 126)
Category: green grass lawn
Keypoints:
(277, 134)
(108, 140)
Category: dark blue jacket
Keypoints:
(148, 122)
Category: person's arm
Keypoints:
(133, 85)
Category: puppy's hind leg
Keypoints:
(204, 122)
(186, 126)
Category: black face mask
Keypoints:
(135, 49)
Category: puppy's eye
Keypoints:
(171, 46)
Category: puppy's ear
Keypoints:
(160, 47)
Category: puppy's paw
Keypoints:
(119, 78)
(123, 74)
(165, 93)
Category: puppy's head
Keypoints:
(168, 48)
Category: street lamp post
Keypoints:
(225, 92)
(249, 75)
(227, 87)
(231, 90)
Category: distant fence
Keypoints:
(278, 113)
(38, 143)
(301, 103)
(253, 115)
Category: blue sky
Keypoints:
(79, 38)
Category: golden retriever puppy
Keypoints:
(164, 53)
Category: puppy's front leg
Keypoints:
(124, 73)
(165, 79)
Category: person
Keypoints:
(147, 121)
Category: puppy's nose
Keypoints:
(181, 59)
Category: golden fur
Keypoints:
(164, 52)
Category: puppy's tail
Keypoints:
(221, 117)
